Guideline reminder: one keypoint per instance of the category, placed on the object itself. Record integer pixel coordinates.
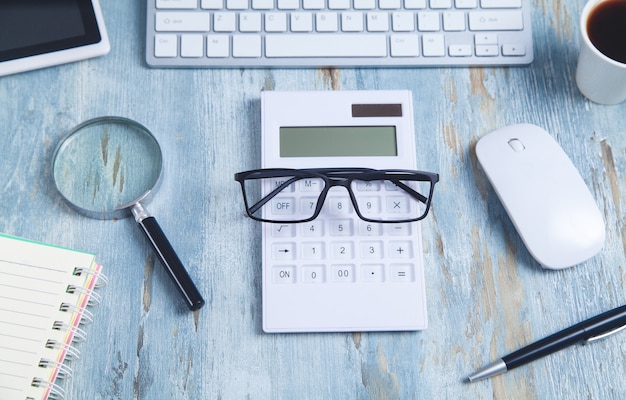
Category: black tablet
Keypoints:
(40, 33)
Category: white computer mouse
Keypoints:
(543, 194)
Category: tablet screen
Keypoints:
(32, 27)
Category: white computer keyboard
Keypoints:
(317, 33)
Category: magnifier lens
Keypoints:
(107, 164)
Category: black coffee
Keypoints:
(606, 27)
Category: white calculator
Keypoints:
(338, 272)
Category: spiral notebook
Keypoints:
(44, 295)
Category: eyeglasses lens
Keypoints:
(283, 198)
(391, 199)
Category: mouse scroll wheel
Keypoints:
(516, 145)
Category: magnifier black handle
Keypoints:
(171, 262)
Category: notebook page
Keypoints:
(34, 281)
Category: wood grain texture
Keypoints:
(486, 295)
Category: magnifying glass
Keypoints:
(109, 167)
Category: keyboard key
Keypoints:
(212, 4)
(288, 4)
(182, 21)
(262, 4)
(302, 22)
(454, 21)
(250, 46)
(218, 46)
(414, 4)
(428, 21)
(377, 22)
(496, 21)
(191, 46)
(465, 4)
(339, 4)
(486, 38)
(165, 45)
(403, 22)
(237, 4)
(352, 22)
(313, 4)
(489, 50)
(276, 22)
(389, 4)
(440, 4)
(501, 3)
(432, 46)
(460, 50)
(250, 22)
(326, 22)
(364, 4)
(176, 4)
(513, 50)
(224, 22)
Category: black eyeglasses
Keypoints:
(298, 195)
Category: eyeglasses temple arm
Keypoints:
(410, 191)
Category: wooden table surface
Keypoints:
(486, 295)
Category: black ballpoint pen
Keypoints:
(594, 328)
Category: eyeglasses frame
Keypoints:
(335, 177)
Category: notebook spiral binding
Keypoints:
(55, 391)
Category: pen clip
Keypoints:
(604, 335)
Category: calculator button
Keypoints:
(398, 204)
(313, 251)
(313, 274)
(307, 205)
(371, 249)
(341, 227)
(284, 251)
(399, 249)
(283, 205)
(283, 230)
(367, 186)
(279, 181)
(339, 205)
(313, 228)
(343, 250)
(399, 229)
(314, 185)
(343, 273)
(370, 229)
(284, 274)
(369, 205)
(373, 273)
(401, 272)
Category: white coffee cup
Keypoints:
(600, 78)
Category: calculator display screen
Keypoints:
(338, 141)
